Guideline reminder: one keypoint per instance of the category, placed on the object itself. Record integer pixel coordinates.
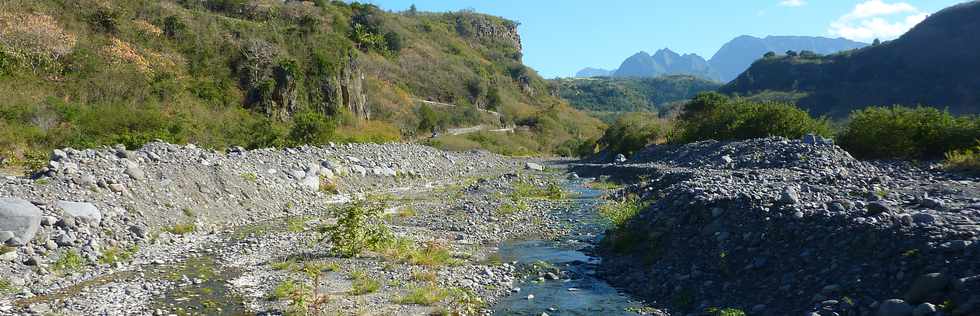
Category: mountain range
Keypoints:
(726, 64)
(935, 63)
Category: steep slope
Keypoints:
(933, 64)
(664, 62)
(739, 53)
(260, 73)
(589, 72)
(631, 94)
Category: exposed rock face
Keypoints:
(487, 27)
(270, 84)
(345, 90)
(19, 217)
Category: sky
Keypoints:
(561, 37)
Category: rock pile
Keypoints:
(784, 227)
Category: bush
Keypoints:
(966, 160)
(900, 132)
(631, 132)
(359, 227)
(311, 128)
(715, 116)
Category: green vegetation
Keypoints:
(605, 185)
(714, 311)
(359, 227)
(250, 177)
(112, 255)
(715, 116)
(296, 224)
(631, 94)
(966, 160)
(426, 295)
(631, 132)
(424, 276)
(907, 133)
(6, 287)
(69, 261)
(220, 73)
(405, 250)
(181, 229)
(362, 283)
(618, 213)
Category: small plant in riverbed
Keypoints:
(328, 186)
(69, 262)
(430, 254)
(605, 185)
(296, 224)
(282, 265)
(359, 227)
(362, 284)
(250, 177)
(6, 286)
(181, 229)
(5, 249)
(424, 276)
(714, 311)
(113, 255)
(188, 212)
(425, 295)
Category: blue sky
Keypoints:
(561, 37)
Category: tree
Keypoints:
(876, 42)
(412, 11)
(769, 55)
(791, 53)
(393, 41)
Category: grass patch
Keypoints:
(250, 177)
(617, 213)
(405, 212)
(605, 185)
(181, 229)
(69, 261)
(5, 249)
(424, 276)
(714, 311)
(328, 186)
(289, 289)
(283, 265)
(296, 225)
(113, 255)
(362, 284)
(425, 295)
(6, 286)
(526, 190)
(188, 212)
(429, 254)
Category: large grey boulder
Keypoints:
(533, 166)
(19, 217)
(81, 210)
(311, 182)
(927, 286)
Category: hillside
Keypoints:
(261, 73)
(933, 64)
(739, 53)
(664, 62)
(631, 94)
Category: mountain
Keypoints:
(935, 63)
(220, 73)
(664, 62)
(738, 54)
(590, 72)
(631, 94)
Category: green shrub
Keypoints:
(311, 128)
(618, 213)
(359, 227)
(113, 255)
(715, 116)
(714, 311)
(632, 132)
(362, 284)
(181, 229)
(69, 261)
(966, 160)
(900, 132)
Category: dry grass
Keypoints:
(35, 35)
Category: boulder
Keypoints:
(533, 166)
(926, 286)
(620, 158)
(789, 196)
(19, 217)
(311, 182)
(81, 210)
(894, 307)
(924, 309)
(877, 207)
(6, 235)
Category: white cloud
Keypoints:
(792, 3)
(873, 19)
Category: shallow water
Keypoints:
(578, 291)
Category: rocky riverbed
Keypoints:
(171, 229)
(788, 227)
